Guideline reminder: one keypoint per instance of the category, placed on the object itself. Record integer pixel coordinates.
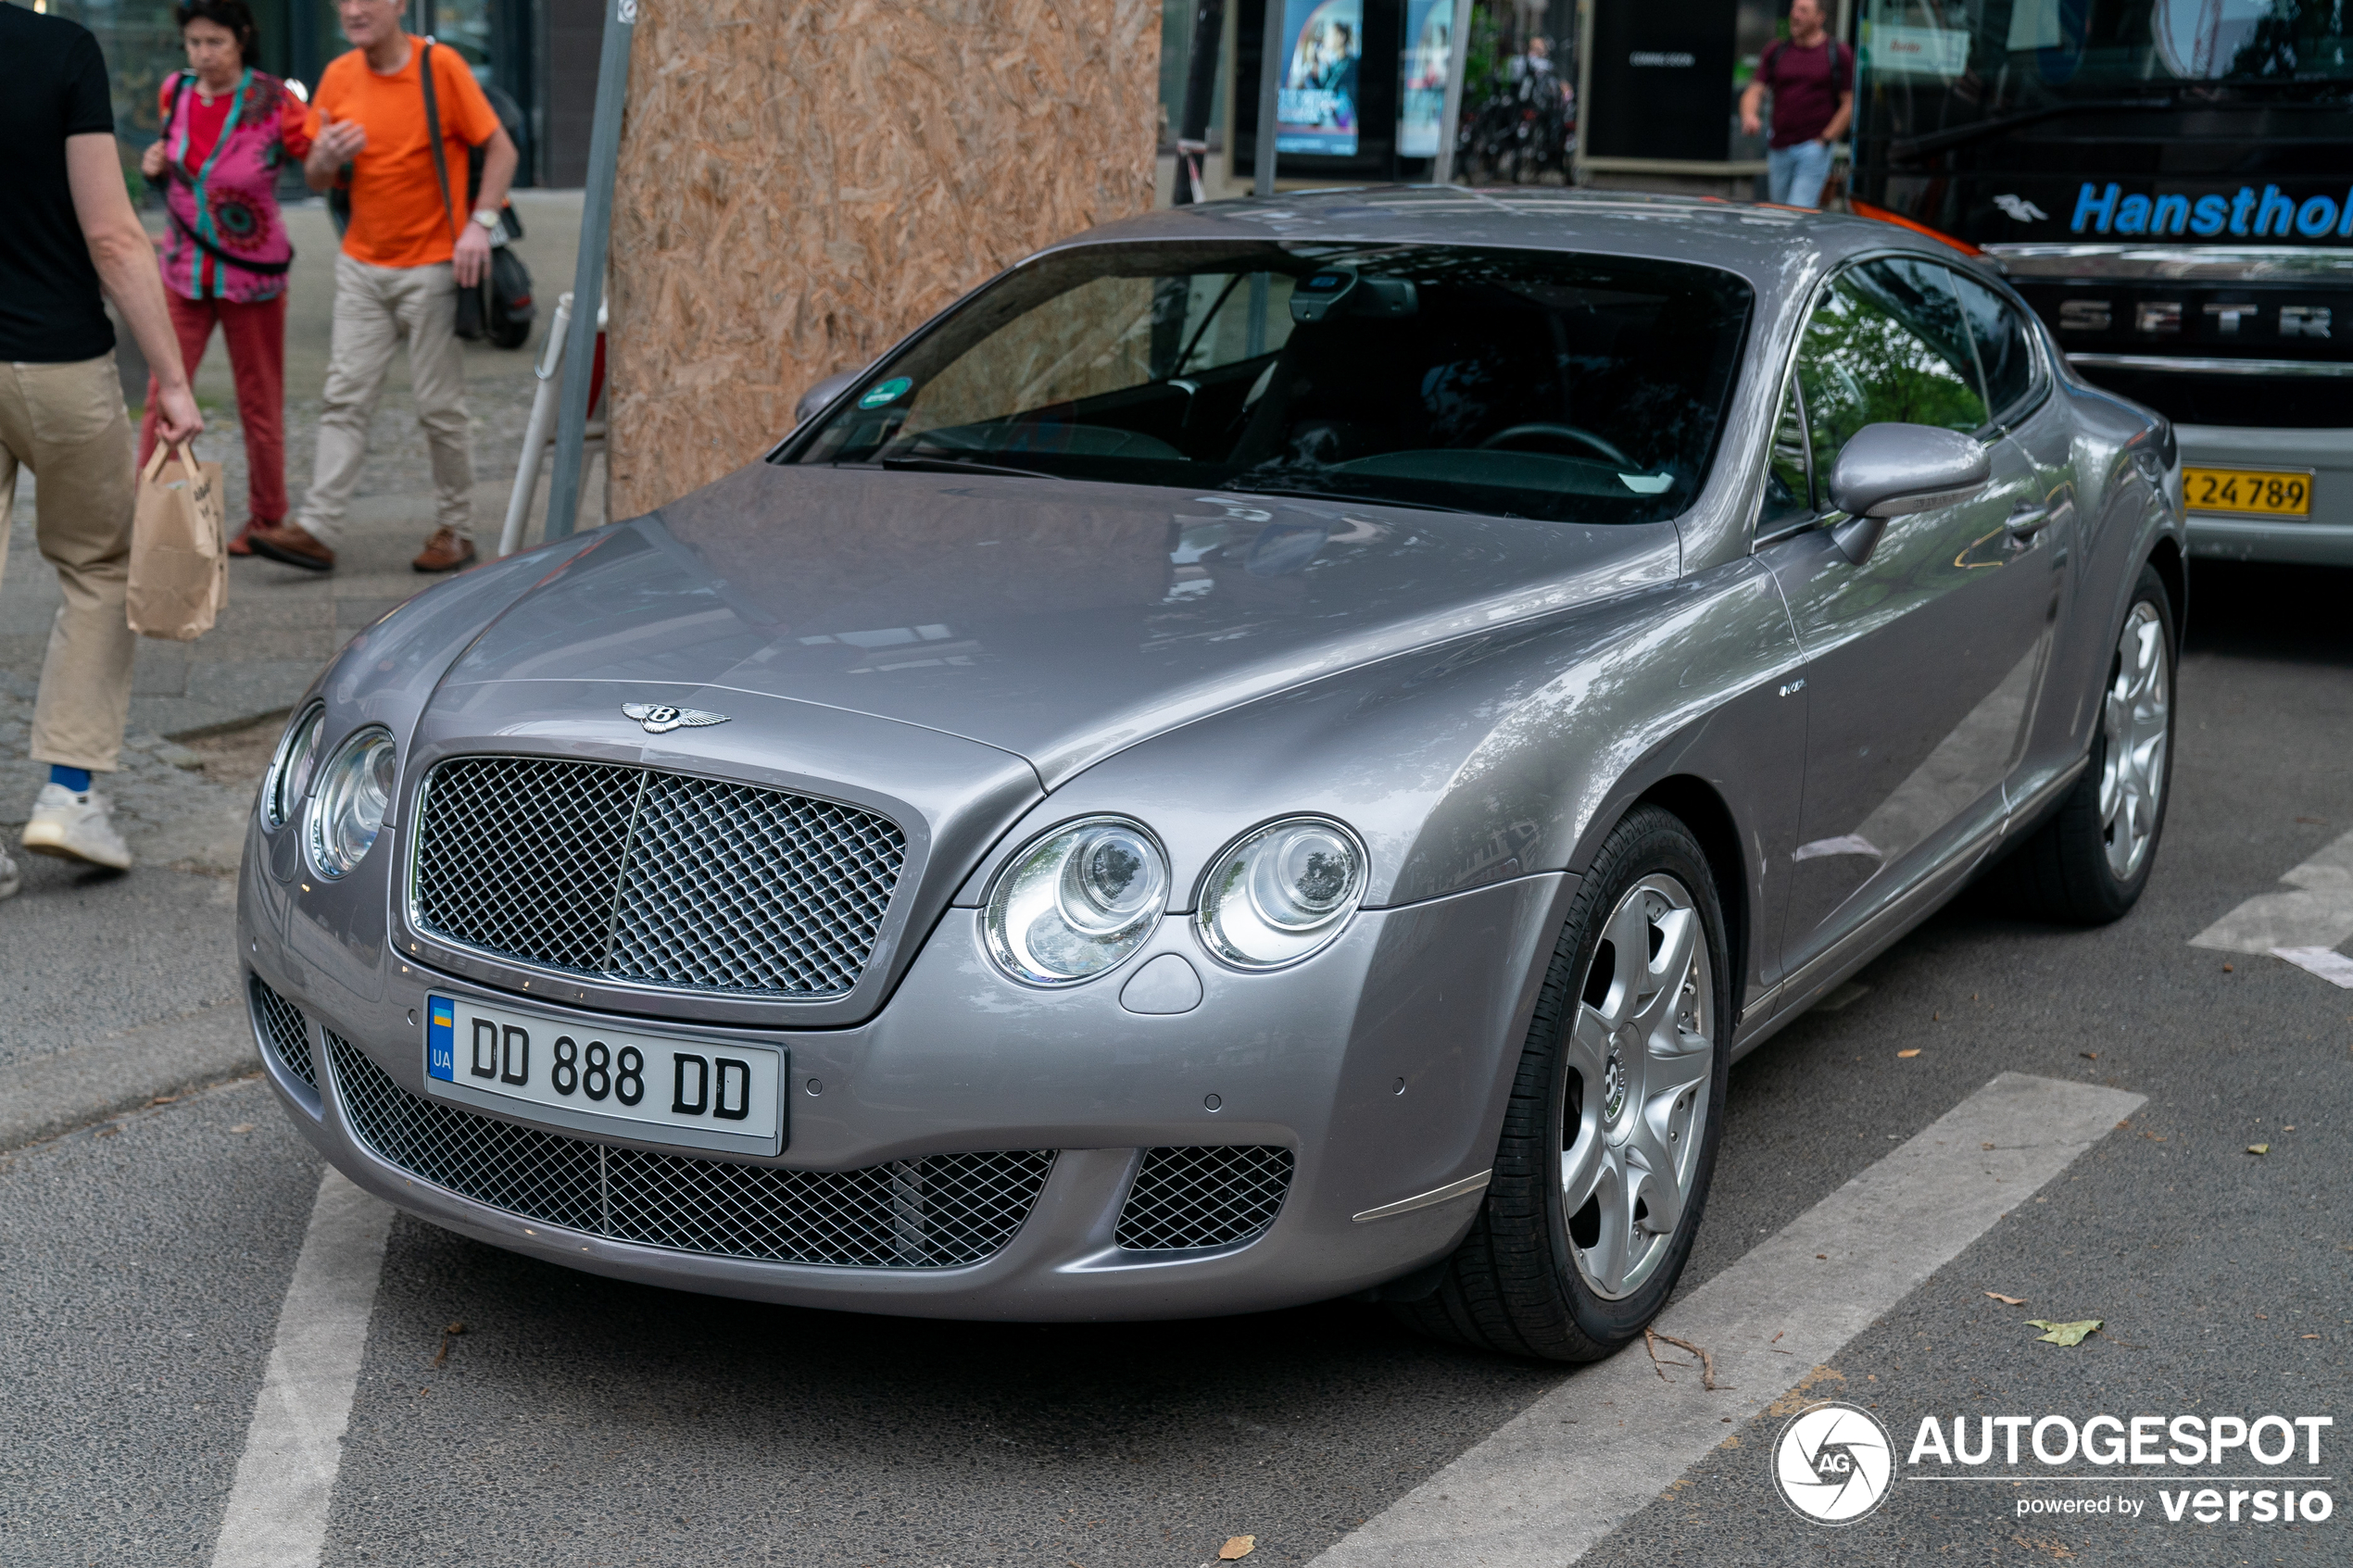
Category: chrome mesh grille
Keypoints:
(286, 1030)
(1217, 1197)
(941, 1212)
(652, 877)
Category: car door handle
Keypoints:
(2027, 521)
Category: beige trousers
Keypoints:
(67, 424)
(376, 308)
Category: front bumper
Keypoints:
(2323, 539)
(1383, 1065)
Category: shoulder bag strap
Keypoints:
(432, 130)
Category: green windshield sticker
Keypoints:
(889, 392)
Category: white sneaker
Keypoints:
(75, 827)
(10, 880)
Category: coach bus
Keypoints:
(2170, 184)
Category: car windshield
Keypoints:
(1521, 383)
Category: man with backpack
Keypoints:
(1811, 77)
(410, 244)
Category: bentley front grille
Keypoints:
(660, 879)
(1211, 1197)
(284, 1027)
(940, 1212)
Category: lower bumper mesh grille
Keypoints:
(284, 1026)
(942, 1211)
(1220, 1196)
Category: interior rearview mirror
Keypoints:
(813, 401)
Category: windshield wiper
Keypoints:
(1356, 497)
(961, 465)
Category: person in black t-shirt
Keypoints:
(68, 233)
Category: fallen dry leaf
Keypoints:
(2063, 1333)
(242, 1128)
(2259, 1149)
(1990, 1145)
(2008, 1300)
(1914, 1051)
(2307, 1337)
(2226, 969)
(2089, 1056)
(2052, 1547)
(1236, 1548)
(448, 1335)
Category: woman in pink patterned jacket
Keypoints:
(227, 130)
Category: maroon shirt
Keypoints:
(1806, 85)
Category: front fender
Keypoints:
(1491, 756)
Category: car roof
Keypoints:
(1779, 250)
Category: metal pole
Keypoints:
(534, 434)
(1441, 172)
(1200, 86)
(588, 277)
(1270, 77)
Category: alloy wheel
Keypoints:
(1641, 1053)
(2136, 718)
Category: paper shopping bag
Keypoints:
(179, 560)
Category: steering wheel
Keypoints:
(1558, 432)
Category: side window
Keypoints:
(1886, 343)
(2004, 348)
(1789, 488)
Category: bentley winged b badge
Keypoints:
(659, 718)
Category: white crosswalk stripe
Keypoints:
(277, 1514)
(1549, 1484)
(2317, 913)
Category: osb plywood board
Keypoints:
(802, 183)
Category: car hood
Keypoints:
(1056, 620)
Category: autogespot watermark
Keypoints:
(1832, 1462)
(1835, 1465)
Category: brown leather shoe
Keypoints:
(444, 552)
(290, 543)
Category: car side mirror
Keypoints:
(1888, 470)
(813, 401)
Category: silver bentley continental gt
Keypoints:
(1276, 751)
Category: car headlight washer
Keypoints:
(1077, 901)
(1281, 892)
(290, 767)
(353, 797)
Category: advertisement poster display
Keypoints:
(1316, 108)
(1429, 51)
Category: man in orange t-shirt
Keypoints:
(405, 255)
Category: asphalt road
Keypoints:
(581, 1421)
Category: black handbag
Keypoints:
(498, 309)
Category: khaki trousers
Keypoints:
(67, 424)
(376, 308)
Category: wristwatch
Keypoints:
(489, 219)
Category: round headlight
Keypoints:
(289, 776)
(1281, 892)
(355, 790)
(1078, 901)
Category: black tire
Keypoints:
(2063, 873)
(1515, 1286)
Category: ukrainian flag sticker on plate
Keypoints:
(441, 1048)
